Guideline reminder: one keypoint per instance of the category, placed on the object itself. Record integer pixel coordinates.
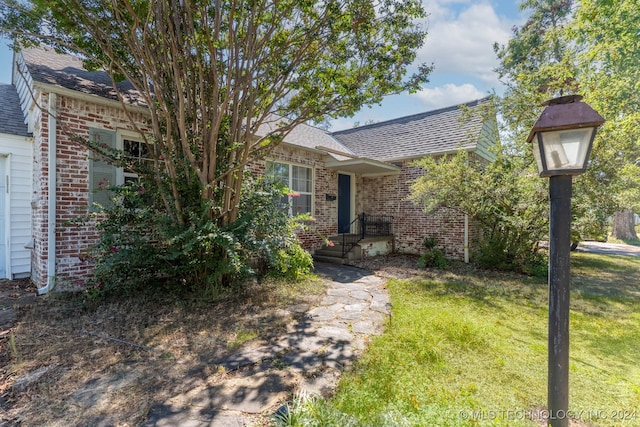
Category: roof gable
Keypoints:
(11, 118)
(439, 131)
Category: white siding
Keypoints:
(18, 153)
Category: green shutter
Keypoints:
(101, 173)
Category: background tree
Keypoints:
(560, 50)
(565, 47)
(611, 77)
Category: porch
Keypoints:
(367, 235)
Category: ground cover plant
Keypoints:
(470, 348)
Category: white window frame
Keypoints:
(121, 136)
(313, 180)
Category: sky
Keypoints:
(459, 43)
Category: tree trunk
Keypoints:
(624, 225)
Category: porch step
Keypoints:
(328, 259)
(327, 253)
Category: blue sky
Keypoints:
(460, 39)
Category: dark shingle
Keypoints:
(47, 66)
(432, 132)
(11, 118)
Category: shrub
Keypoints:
(495, 252)
(434, 255)
(140, 246)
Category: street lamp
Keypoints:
(562, 139)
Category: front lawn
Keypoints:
(471, 349)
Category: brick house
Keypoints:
(338, 176)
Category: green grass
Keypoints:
(479, 343)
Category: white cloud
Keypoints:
(461, 41)
(448, 95)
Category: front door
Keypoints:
(344, 203)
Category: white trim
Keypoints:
(121, 135)
(373, 175)
(8, 268)
(466, 239)
(364, 167)
(338, 152)
(313, 181)
(431, 154)
(51, 194)
(302, 147)
(6, 158)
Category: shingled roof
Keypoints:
(438, 131)
(433, 132)
(11, 118)
(303, 135)
(47, 66)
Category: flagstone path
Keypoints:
(322, 341)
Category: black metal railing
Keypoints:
(365, 226)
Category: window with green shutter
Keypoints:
(102, 174)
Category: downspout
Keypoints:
(466, 239)
(51, 202)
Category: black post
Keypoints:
(559, 279)
(364, 225)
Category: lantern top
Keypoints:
(566, 112)
(567, 99)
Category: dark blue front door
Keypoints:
(344, 202)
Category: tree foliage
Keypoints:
(214, 73)
(589, 48)
(504, 196)
(611, 78)
(140, 246)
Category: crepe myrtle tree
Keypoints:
(213, 72)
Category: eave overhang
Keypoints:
(363, 167)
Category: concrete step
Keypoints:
(336, 252)
(328, 259)
(330, 251)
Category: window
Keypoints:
(103, 174)
(138, 152)
(299, 179)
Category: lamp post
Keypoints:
(562, 139)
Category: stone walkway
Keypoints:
(323, 341)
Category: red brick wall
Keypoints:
(75, 117)
(389, 195)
